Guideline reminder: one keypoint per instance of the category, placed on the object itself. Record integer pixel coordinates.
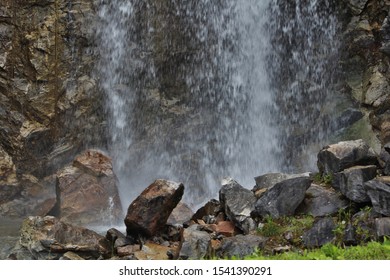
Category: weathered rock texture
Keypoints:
(48, 238)
(50, 107)
(282, 199)
(87, 191)
(365, 59)
(149, 212)
(238, 204)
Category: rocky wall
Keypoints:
(50, 107)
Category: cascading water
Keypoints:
(305, 74)
(192, 87)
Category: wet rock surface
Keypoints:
(149, 212)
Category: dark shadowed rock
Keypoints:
(321, 233)
(149, 212)
(181, 214)
(337, 157)
(240, 246)
(282, 199)
(384, 159)
(350, 182)
(320, 201)
(88, 192)
(238, 203)
(49, 238)
(211, 209)
(196, 243)
(378, 191)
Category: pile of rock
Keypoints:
(158, 226)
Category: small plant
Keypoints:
(326, 179)
(270, 228)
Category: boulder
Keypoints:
(382, 227)
(49, 238)
(321, 233)
(240, 246)
(282, 199)
(237, 203)
(378, 191)
(266, 181)
(320, 201)
(87, 191)
(149, 212)
(384, 159)
(350, 182)
(196, 243)
(337, 157)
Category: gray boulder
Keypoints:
(240, 246)
(196, 243)
(266, 181)
(378, 191)
(320, 201)
(337, 157)
(282, 199)
(321, 233)
(382, 227)
(350, 182)
(238, 203)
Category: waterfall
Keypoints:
(305, 74)
(200, 90)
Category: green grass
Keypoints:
(371, 251)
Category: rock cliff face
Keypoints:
(49, 103)
(366, 60)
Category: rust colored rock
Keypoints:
(88, 191)
(226, 228)
(95, 163)
(149, 212)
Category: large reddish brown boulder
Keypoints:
(87, 191)
(149, 212)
